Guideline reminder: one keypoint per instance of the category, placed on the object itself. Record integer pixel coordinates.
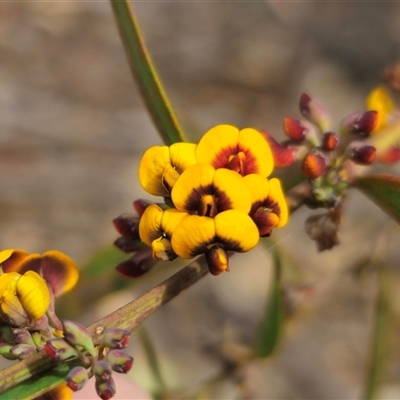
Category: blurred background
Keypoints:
(73, 127)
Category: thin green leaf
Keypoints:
(384, 191)
(270, 329)
(145, 74)
(380, 339)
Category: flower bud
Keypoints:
(77, 378)
(283, 155)
(127, 244)
(77, 335)
(59, 350)
(361, 123)
(390, 156)
(363, 155)
(127, 225)
(217, 260)
(23, 350)
(313, 165)
(5, 351)
(294, 129)
(329, 141)
(140, 263)
(140, 205)
(105, 389)
(314, 112)
(102, 370)
(115, 338)
(119, 360)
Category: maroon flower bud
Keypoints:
(59, 350)
(294, 129)
(362, 123)
(105, 389)
(77, 378)
(120, 361)
(363, 155)
(329, 141)
(127, 225)
(102, 370)
(313, 165)
(77, 335)
(128, 245)
(115, 338)
(390, 156)
(283, 155)
(140, 263)
(314, 112)
(140, 205)
(217, 260)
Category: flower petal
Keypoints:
(11, 258)
(192, 236)
(171, 219)
(236, 231)
(151, 170)
(278, 202)
(182, 155)
(259, 190)
(59, 271)
(150, 224)
(379, 100)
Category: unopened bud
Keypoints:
(105, 389)
(127, 225)
(363, 155)
(140, 206)
(283, 155)
(59, 350)
(294, 129)
(390, 156)
(77, 335)
(217, 260)
(119, 360)
(127, 244)
(329, 141)
(314, 112)
(362, 123)
(23, 350)
(115, 338)
(77, 378)
(313, 165)
(23, 336)
(102, 370)
(5, 351)
(140, 263)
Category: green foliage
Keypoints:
(384, 191)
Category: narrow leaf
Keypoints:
(384, 191)
(145, 74)
(270, 328)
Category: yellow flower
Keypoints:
(156, 228)
(206, 191)
(24, 299)
(161, 166)
(58, 270)
(244, 151)
(269, 208)
(379, 100)
(231, 230)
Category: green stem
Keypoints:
(145, 75)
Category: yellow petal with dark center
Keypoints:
(33, 294)
(171, 219)
(217, 145)
(150, 224)
(277, 197)
(217, 260)
(259, 190)
(259, 159)
(151, 170)
(192, 236)
(182, 155)
(191, 185)
(169, 177)
(236, 231)
(231, 191)
(31, 262)
(59, 271)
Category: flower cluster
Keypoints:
(217, 194)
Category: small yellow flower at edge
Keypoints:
(379, 100)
